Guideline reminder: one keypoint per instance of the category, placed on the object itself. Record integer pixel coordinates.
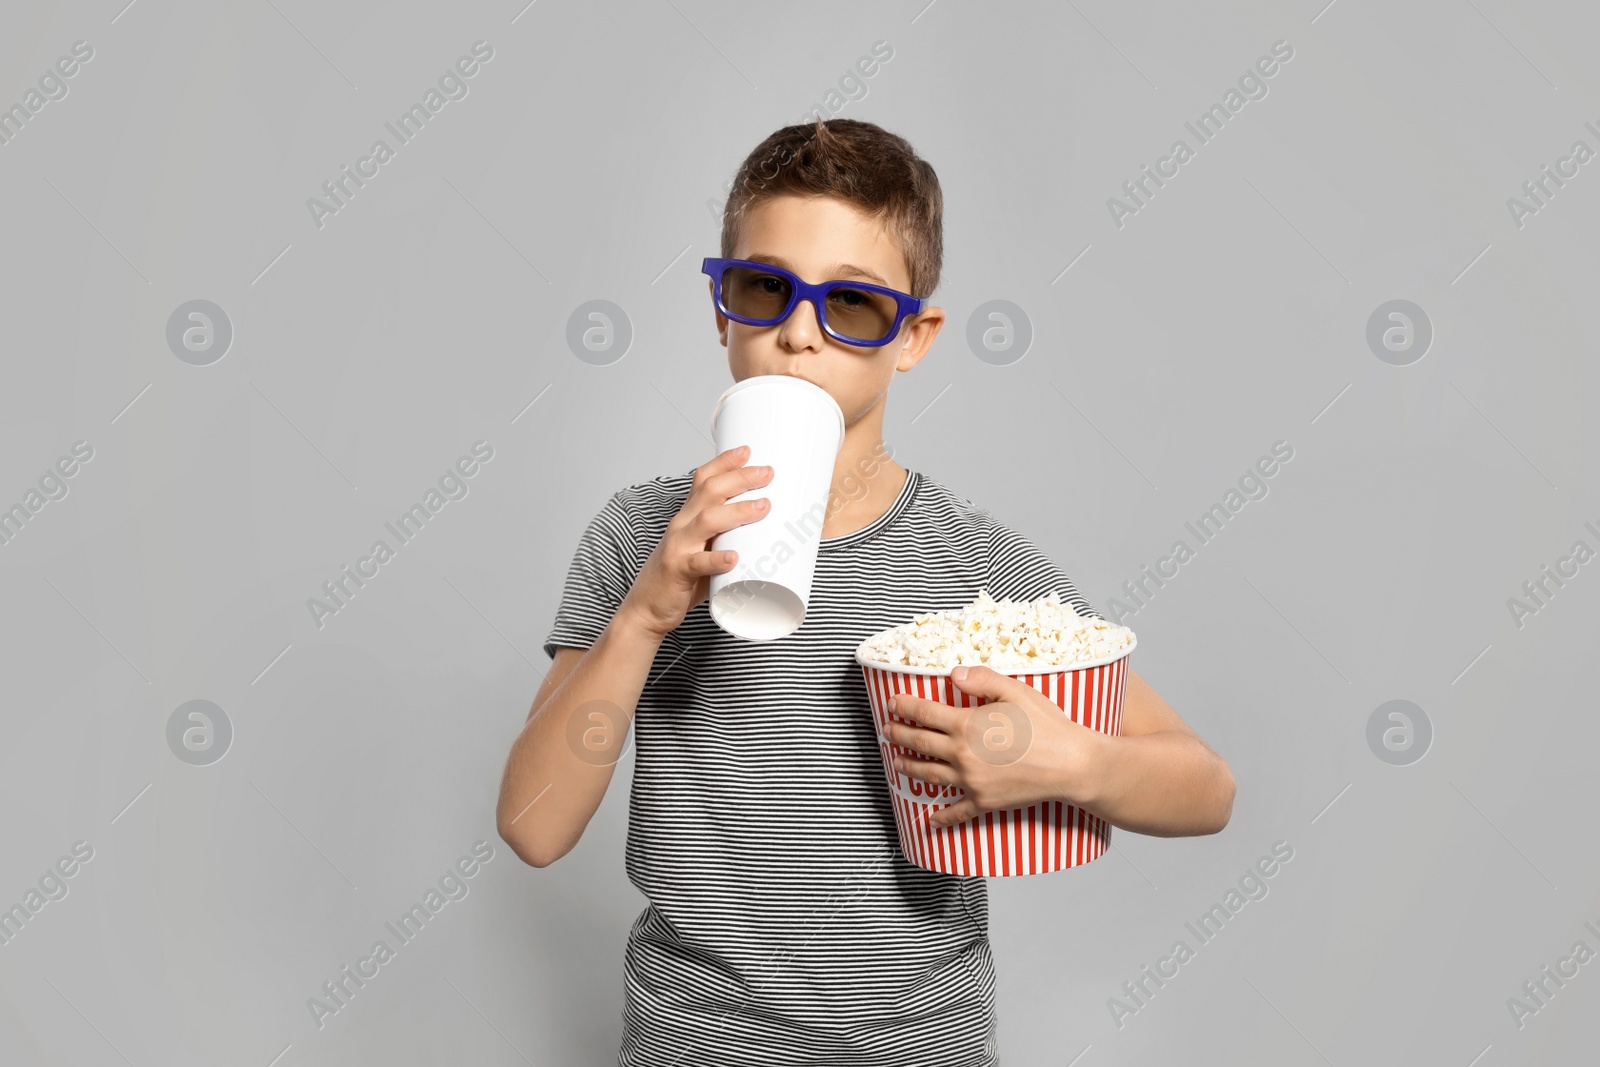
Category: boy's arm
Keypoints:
(1158, 777)
(613, 617)
(561, 763)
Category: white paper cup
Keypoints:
(797, 429)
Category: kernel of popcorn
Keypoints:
(1012, 637)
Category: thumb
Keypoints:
(986, 682)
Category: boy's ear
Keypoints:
(919, 337)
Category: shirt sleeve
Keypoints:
(598, 578)
(1017, 569)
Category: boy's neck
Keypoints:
(865, 497)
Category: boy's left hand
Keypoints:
(1018, 749)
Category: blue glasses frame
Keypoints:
(799, 290)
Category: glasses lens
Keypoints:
(861, 313)
(754, 294)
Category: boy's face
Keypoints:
(815, 237)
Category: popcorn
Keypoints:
(1009, 636)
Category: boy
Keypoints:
(783, 924)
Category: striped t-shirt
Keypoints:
(783, 924)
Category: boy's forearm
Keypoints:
(549, 793)
(1164, 784)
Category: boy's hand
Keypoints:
(677, 576)
(1016, 750)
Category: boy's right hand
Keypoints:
(677, 576)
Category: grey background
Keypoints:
(369, 354)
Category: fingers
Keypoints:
(726, 475)
(702, 564)
(925, 711)
(730, 483)
(708, 512)
(940, 775)
(940, 746)
(934, 772)
(719, 464)
(959, 812)
(720, 518)
(677, 575)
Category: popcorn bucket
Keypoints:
(1043, 837)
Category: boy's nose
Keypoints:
(801, 329)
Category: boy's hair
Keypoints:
(863, 165)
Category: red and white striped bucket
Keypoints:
(1043, 837)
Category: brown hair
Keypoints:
(863, 165)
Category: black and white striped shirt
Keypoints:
(783, 924)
